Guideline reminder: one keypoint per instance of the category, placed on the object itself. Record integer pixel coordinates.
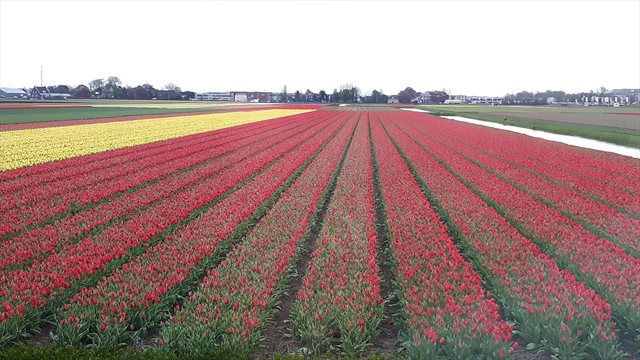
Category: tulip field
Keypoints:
(298, 229)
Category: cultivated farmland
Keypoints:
(312, 231)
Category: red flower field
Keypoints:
(324, 230)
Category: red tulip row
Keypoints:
(41, 172)
(235, 299)
(75, 177)
(592, 165)
(623, 230)
(549, 305)
(26, 292)
(446, 310)
(12, 179)
(40, 242)
(604, 266)
(615, 182)
(339, 299)
(19, 217)
(137, 293)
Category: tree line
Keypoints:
(111, 88)
(540, 98)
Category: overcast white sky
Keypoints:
(475, 47)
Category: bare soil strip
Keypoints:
(278, 337)
(386, 342)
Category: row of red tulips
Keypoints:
(550, 307)
(604, 266)
(32, 291)
(139, 294)
(235, 300)
(42, 241)
(16, 179)
(620, 228)
(598, 166)
(339, 303)
(76, 177)
(446, 310)
(612, 180)
(19, 217)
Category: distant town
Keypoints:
(111, 88)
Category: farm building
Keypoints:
(13, 93)
(423, 98)
(40, 92)
(216, 96)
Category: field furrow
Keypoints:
(446, 310)
(29, 293)
(603, 266)
(604, 221)
(550, 307)
(17, 218)
(41, 241)
(85, 170)
(148, 286)
(339, 303)
(233, 303)
(324, 230)
(34, 146)
(585, 162)
(615, 186)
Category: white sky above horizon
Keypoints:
(466, 47)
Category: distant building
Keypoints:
(616, 97)
(40, 92)
(214, 96)
(252, 96)
(310, 96)
(633, 95)
(240, 97)
(63, 96)
(393, 99)
(474, 99)
(485, 100)
(13, 93)
(423, 98)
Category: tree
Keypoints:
(96, 84)
(60, 89)
(335, 97)
(172, 87)
(296, 96)
(119, 92)
(378, 97)
(375, 95)
(524, 97)
(144, 92)
(174, 91)
(405, 96)
(323, 95)
(509, 99)
(113, 81)
(285, 96)
(438, 97)
(186, 95)
(81, 91)
(349, 93)
(110, 87)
